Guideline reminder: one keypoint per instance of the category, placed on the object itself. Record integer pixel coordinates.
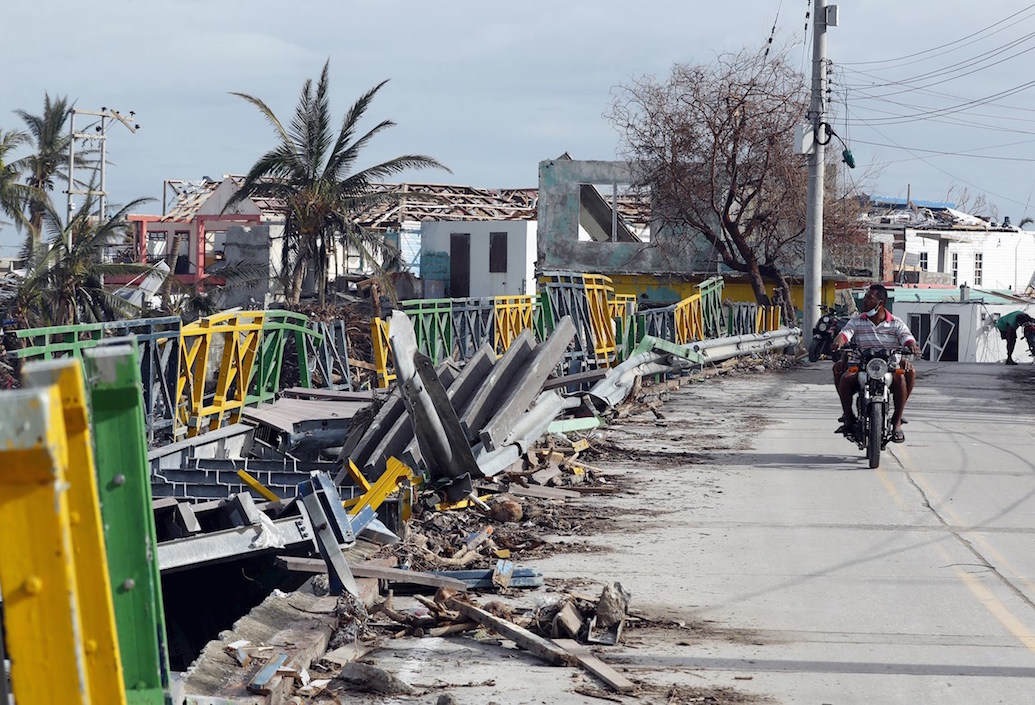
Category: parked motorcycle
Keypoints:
(823, 334)
(874, 403)
(1029, 337)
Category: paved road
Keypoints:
(774, 565)
(825, 582)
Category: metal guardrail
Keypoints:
(158, 346)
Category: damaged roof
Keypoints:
(407, 202)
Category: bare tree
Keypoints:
(714, 145)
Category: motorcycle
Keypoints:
(1029, 337)
(823, 334)
(874, 403)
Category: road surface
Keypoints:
(769, 564)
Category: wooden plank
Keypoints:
(598, 668)
(361, 570)
(533, 643)
(542, 492)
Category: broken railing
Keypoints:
(158, 347)
(608, 325)
(200, 375)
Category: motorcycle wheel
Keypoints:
(815, 349)
(875, 431)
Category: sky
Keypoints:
(934, 97)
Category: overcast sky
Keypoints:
(491, 88)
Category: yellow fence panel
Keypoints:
(511, 315)
(769, 319)
(689, 323)
(240, 334)
(599, 292)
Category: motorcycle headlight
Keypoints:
(822, 325)
(876, 368)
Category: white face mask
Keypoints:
(872, 312)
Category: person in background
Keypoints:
(1007, 325)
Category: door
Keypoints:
(459, 265)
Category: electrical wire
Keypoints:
(955, 42)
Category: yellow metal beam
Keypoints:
(100, 636)
(42, 610)
(259, 488)
(395, 474)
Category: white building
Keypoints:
(471, 258)
(926, 242)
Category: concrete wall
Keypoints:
(248, 246)
(521, 245)
(559, 247)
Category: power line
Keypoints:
(948, 44)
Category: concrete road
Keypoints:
(804, 576)
(769, 564)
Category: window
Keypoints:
(955, 267)
(978, 266)
(923, 261)
(497, 252)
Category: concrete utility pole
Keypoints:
(100, 134)
(821, 17)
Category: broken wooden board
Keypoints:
(533, 643)
(598, 668)
(362, 570)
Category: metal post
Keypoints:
(71, 171)
(103, 197)
(123, 474)
(814, 202)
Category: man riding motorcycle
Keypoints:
(875, 328)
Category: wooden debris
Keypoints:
(533, 643)
(262, 682)
(361, 570)
(598, 668)
(567, 622)
(456, 628)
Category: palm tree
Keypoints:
(309, 172)
(64, 282)
(50, 142)
(14, 195)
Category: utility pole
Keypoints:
(822, 15)
(101, 135)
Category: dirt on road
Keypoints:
(658, 463)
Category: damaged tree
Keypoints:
(714, 144)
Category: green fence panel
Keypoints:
(124, 483)
(433, 326)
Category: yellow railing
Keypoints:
(768, 319)
(689, 322)
(511, 315)
(240, 334)
(599, 294)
